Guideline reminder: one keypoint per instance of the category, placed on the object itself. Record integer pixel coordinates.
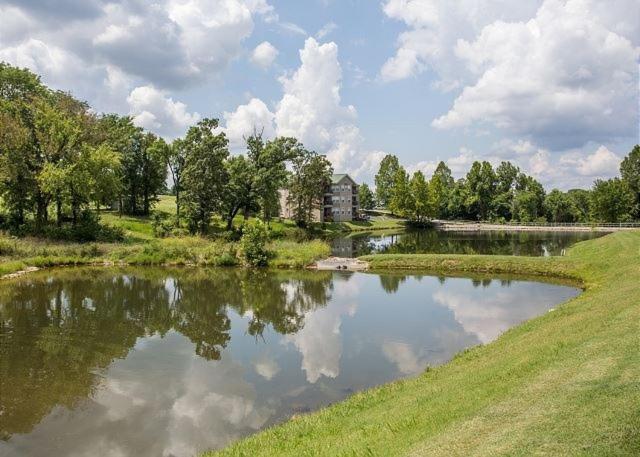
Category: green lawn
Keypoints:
(566, 383)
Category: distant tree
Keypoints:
(400, 199)
(506, 175)
(104, 167)
(481, 189)
(205, 175)
(560, 207)
(385, 179)
(175, 157)
(238, 191)
(143, 163)
(528, 202)
(440, 188)
(581, 200)
(268, 161)
(422, 204)
(310, 174)
(367, 200)
(630, 171)
(612, 201)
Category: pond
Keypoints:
(441, 242)
(152, 362)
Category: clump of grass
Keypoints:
(289, 254)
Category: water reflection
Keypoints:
(438, 242)
(171, 362)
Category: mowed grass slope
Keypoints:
(566, 383)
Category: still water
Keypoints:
(161, 362)
(440, 242)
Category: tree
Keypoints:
(422, 205)
(205, 174)
(440, 188)
(268, 161)
(310, 175)
(400, 199)
(506, 176)
(630, 171)
(528, 202)
(385, 179)
(612, 201)
(366, 197)
(559, 207)
(581, 200)
(175, 157)
(238, 191)
(481, 189)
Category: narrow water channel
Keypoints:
(440, 242)
(157, 362)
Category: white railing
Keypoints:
(543, 224)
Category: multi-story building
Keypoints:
(340, 201)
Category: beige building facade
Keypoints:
(340, 201)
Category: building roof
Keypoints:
(336, 178)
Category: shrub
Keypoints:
(253, 245)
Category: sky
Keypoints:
(551, 85)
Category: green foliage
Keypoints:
(400, 200)
(630, 171)
(422, 204)
(385, 179)
(481, 190)
(310, 175)
(254, 245)
(440, 189)
(205, 174)
(612, 201)
(560, 207)
(366, 197)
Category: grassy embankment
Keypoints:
(565, 383)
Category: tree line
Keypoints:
(61, 162)
(502, 194)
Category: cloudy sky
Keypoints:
(549, 84)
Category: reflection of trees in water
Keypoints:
(58, 329)
(500, 243)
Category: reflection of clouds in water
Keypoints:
(319, 341)
(487, 314)
(266, 367)
(403, 356)
(173, 404)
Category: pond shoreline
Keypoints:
(558, 381)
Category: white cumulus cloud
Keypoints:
(264, 54)
(152, 109)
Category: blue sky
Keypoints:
(551, 85)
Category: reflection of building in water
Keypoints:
(342, 247)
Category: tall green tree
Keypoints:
(400, 199)
(506, 176)
(560, 207)
(441, 186)
(205, 175)
(422, 204)
(385, 179)
(581, 200)
(481, 190)
(175, 157)
(309, 176)
(528, 202)
(612, 201)
(238, 191)
(630, 171)
(367, 200)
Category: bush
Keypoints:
(253, 245)
(87, 228)
(163, 225)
